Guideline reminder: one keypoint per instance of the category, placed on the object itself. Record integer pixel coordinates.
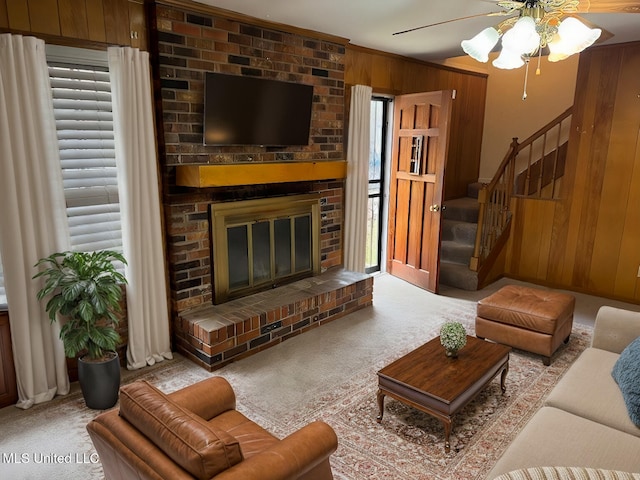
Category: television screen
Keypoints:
(255, 111)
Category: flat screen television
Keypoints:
(255, 111)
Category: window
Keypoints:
(377, 152)
(82, 107)
(81, 92)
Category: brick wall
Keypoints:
(185, 45)
(187, 227)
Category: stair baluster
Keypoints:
(494, 215)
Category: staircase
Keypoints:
(459, 226)
(475, 228)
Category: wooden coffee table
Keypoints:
(430, 381)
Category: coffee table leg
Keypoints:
(380, 397)
(447, 434)
(503, 377)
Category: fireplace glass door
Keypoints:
(252, 247)
(259, 245)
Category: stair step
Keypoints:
(455, 252)
(458, 236)
(459, 276)
(473, 189)
(464, 209)
(456, 230)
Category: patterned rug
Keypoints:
(406, 445)
(409, 444)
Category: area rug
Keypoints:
(408, 444)
(50, 441)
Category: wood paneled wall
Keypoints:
(396, 75)
(114, 22)
(589, 241)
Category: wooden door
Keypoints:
(420, 144)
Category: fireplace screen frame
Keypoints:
(226, 215)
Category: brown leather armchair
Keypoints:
(196, 432)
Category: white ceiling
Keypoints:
(371, 23)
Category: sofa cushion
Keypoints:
(555, 437)
(588, 390)
(187, 439)
(567, 473)
(626, 373)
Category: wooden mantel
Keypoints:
(227, 175)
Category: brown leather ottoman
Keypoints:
(529, 319)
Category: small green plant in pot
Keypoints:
(84, 290)
(453, 337)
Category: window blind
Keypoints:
(84, 122)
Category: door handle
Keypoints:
(434, 208)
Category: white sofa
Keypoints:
(584, 421)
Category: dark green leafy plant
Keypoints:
(85, 290)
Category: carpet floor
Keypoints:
(329, 374)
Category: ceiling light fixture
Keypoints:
(538, 25)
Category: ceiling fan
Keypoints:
(535, 25)
(569, 6)
(532, 26)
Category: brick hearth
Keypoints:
(215, 335)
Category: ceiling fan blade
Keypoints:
(448, 21)
(608, 6)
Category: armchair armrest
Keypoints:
(207, 399)
(615, 328)
(292, 457)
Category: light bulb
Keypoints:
(508, 60)
(558, 49)
(479, 46)
(522, 37)
(577, 35)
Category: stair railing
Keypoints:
(494, 214)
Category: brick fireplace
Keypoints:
(193, 40)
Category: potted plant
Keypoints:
(453, 337)
(84, 290)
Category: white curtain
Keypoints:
(33, 222)
(136, 159)
(357, 184)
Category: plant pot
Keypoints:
(100, 382)
(451, 352)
